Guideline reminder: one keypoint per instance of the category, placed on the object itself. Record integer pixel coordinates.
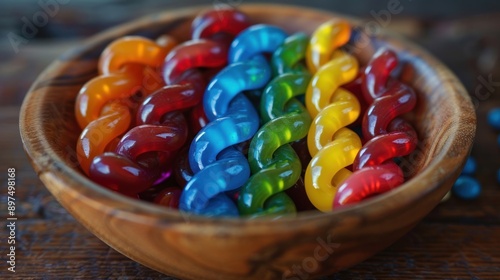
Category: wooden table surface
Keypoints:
(458, 240)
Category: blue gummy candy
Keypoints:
(466, 188)
(494, 118)
(470, 166)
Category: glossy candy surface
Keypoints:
(327, 170)
(123, 76)
(191, 55)
(136, 134)
(289, 57)
(396, 100)
(275, 165)
(96, 93)
(343, 111)
(332, 146)
(328, 79)
(160, 133)
(255, 40)
(377, 74)
(123, 171)
(185, 83)
(217, 166)
(95, 137)
(387, 136)
(374, 170)
(134, 49)
(204, 193)
(230, 82)
(400, 140)
(326, 39)
(220, 20)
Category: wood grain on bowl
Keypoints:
(194, 247)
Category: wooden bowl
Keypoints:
(193, 247)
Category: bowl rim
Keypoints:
(409, 193)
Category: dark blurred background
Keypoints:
(463, 34)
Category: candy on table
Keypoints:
(470, 166)
(494, 118)
(387, 135)
(218, 167)
(331, 145)
(466, 188)
(274, 163)
(102, 109)
(162, 129)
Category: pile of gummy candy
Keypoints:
(245, 120)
